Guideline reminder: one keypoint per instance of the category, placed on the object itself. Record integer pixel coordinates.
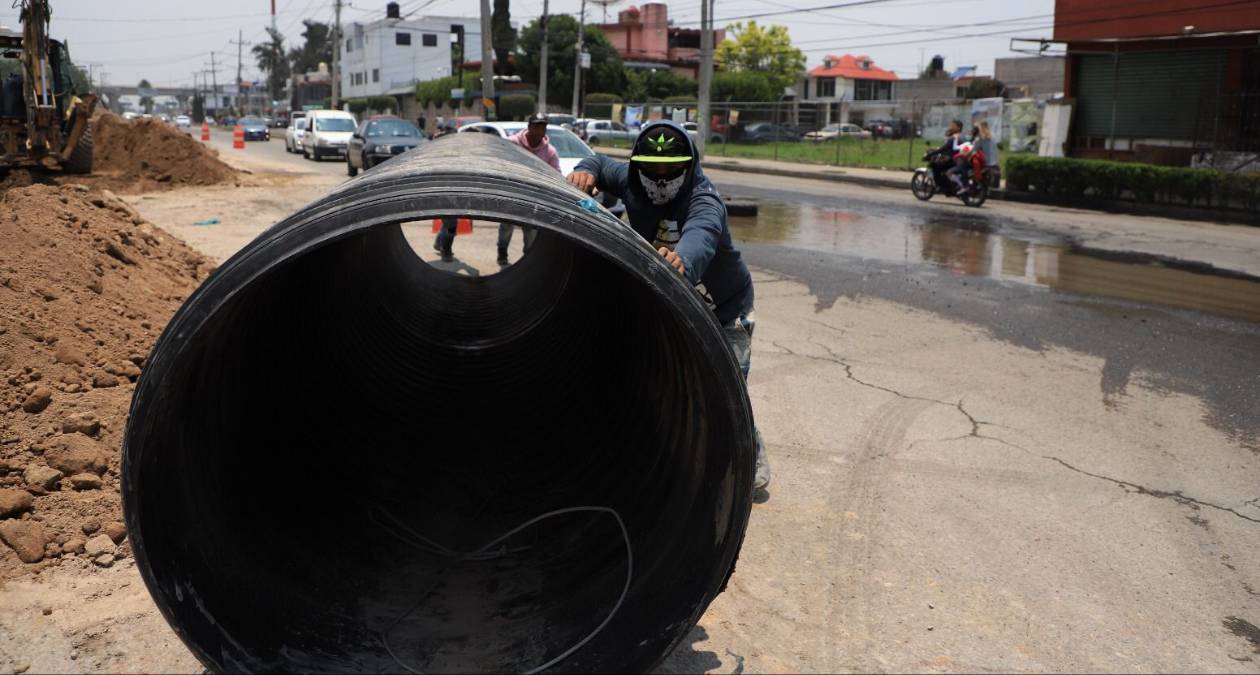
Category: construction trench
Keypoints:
(548, 468)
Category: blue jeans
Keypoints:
(505, 237)
(738, 334)
(446, 236)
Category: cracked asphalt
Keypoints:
(975, 472)
(993, 450)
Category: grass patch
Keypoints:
(903, 154)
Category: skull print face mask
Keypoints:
(662, 191)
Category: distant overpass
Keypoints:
(114, 91)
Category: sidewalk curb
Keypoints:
(1105, 206)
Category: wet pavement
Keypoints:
(1192, 331)
(975, 244)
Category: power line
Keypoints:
(1055, 25)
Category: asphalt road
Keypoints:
(994, 448)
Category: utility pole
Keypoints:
(214, 81)
(487, 62)
(336, 67)
(577, 64)
(705, 75)
(542, 65)
(240, 43)
(273, 17)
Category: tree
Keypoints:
(503, 35)
(316, 48)
(743, 86)
(145, 101)
(272, 60)
(606, 73)
(768, 51)
(643, 85)
(198, 109)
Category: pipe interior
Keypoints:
(347, 425)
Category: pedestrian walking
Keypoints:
(533, 138)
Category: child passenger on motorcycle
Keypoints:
(968, 162)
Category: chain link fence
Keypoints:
(873, 134)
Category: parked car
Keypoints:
(228, 121)
(130, 115)
(377, 140)
(461, 122)
(255, 129)
(604, 132)
(693, 131)
(568, 146)
(295, 134)
(765, 132)
(183, 121)
(328, 132)
(564, 121)
(833, 131)
(883, 128)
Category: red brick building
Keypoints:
(645, 39)
(1161, 80)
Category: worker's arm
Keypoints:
(701, 232)
(602, 172)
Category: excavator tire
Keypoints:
(80, 161)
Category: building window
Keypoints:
(429, 40)
(376, 74)
(349, 46)
(826, 87)
(402, 39)
(872, 90)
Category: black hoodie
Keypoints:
(704, 244)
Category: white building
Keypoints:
(853, 87)
(389, 56)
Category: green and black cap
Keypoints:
(662, 144)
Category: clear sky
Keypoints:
(166, 42)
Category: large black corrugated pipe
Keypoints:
(342, 459)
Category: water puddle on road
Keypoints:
(966, 245)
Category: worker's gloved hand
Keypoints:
(673, 259)
(583, 181)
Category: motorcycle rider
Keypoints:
(947, 152)
(671, 203)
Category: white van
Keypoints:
(328, 133)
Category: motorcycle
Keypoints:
(931, 179)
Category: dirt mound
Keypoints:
(85, 287)
(146, 154)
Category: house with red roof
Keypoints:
(853, 88)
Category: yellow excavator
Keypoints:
(44, 122)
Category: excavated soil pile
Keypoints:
(85, 287)
(146, 154)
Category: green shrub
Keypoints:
(684, 100)
(743, 87)
(600, 105)
(382, 104)
(357, 105)
(438, 91)
(1132, 181)
(516, 106)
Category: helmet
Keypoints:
(965, 149)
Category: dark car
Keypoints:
(255, 129)
(765, 132)
(228, 121)
(377, 140)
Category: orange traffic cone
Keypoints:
(462, 225)
(238, 138)
(205, 131)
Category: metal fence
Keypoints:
(875, 134)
